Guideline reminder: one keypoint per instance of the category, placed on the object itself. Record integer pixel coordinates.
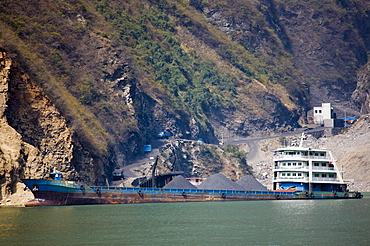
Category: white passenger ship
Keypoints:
(306, 169)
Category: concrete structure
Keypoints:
(324, 115)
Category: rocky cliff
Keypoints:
(361, 96)
(40, 141)
(327, 41)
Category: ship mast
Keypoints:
(302, 138)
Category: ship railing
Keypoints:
(290, 167)
(303, 168)
(325, 179)
(322, 168)
(298, 157)
(289, 178)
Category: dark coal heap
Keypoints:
(219, 182)
(248, 182)
(179, 183)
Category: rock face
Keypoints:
(305, 30)
(40, 124)
(15, 154)
(361, 96)
(197, 159)
(34, 136)
(351, 149)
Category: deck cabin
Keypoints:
(306, 169)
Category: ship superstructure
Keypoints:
(306, 169)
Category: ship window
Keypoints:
(299, 174)
(294, 174)
(316, 164)
(283, 174)
(294, 164)
(289, 164)
(331, 175)
(299, 163)
(323, 164)
(284, 164)
(288, 174)
(316, 175)
(323, 175)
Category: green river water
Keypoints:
(310, 222)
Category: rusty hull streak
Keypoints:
(124, 195)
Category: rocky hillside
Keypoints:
(193, 159)
(361, 96)
(352, 152)
(86, 83)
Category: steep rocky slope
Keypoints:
(194, 159)
(325, 41)
(352, 152)
(22, 156)
(361, 96)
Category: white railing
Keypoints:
(303, 168)
(322, 168)
(325, 179)
(291, 177)
(298, 157)
(291, 167)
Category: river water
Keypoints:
(310, 222)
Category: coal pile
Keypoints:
(248, 182)
(219, 182)
(179, 183)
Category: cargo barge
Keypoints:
(298, 173)
(55, 192)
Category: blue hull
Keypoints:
(58, 192)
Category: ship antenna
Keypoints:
(302, 138)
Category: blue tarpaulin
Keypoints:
(147, 148)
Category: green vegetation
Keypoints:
(239, 155)
(193, 84)
(239, 63)
(148, 30)
(40, 42)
